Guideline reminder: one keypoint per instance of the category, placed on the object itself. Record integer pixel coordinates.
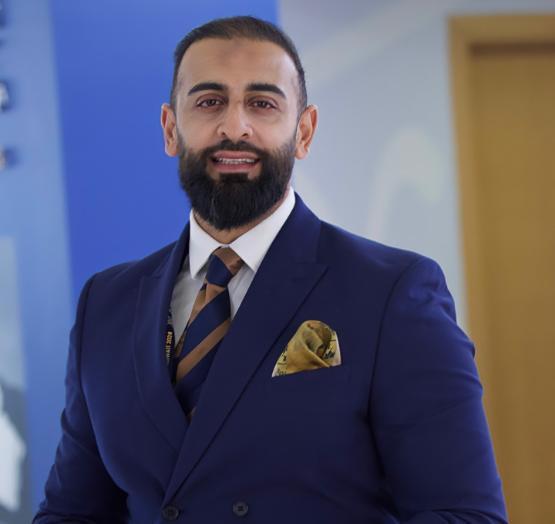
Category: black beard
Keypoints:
(234, 200)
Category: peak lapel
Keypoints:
(151, 371)
(287, 274)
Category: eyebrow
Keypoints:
(206, 86)
(272, 88)
(255, 86)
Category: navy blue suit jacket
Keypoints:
(396, 433)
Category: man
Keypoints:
(267, 365)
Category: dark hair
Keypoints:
(241, 27)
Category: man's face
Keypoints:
(236, 128)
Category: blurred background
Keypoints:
(437, 134)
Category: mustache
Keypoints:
(228, 145)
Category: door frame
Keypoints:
(466, 33)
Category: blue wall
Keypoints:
(92, 186)
(33, 223)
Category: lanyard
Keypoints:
(169, 347)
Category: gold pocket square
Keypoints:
(313, 346)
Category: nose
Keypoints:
(235, 124)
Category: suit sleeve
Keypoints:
(79, 488)
(426, 409)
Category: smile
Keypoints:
(235, 161)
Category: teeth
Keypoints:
(232, 161)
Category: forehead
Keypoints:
(235, 63)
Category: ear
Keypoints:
(169, 128)
(305, 131)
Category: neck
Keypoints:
(227, 236)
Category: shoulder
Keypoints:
(128, 274)
(358, 254)
(131, 269)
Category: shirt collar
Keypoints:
(250, 246)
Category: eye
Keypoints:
(209, 102)
(263, 104)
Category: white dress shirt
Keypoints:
(251, 247)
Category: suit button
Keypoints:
(240, 509)
(170, 513)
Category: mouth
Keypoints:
(234, 161)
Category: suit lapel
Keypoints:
(287, 274)
(151, 371)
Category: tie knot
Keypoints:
(223, 264)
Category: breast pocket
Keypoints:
(317, 389)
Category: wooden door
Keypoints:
(503, 71)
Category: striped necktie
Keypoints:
(207, 326)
